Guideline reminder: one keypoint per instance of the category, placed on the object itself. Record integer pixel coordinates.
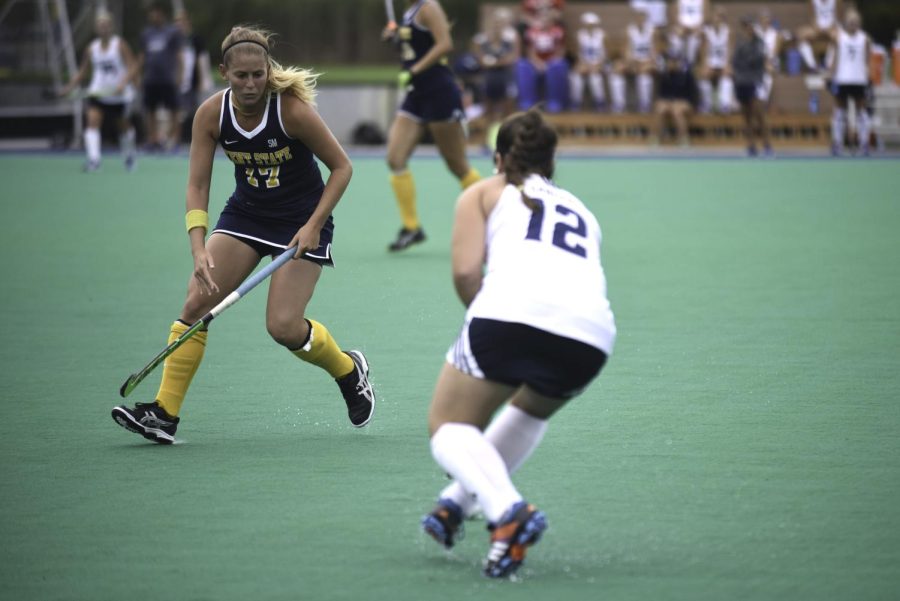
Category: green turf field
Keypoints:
(742, 443)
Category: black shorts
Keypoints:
(497, 84)
(515, 354)
(746, 93)
(269, 236)
(111, 110)
(440, 104)
(160, 95)
(856, 93)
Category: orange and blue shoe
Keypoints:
(519, 528)
(445, 523)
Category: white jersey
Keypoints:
(108, 70)
(852, 68)
(543, 268)
(717, 43)
(769, 36)
(591, 48)
(690, 13)
(640, 41)
(825, 11)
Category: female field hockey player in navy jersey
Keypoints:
(267, 124)
(432, 100)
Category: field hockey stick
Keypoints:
(391, 17)
(249, 284)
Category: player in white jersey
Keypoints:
(111, 63)
(716, 69)
(690, 15)
(538, 330)
(850, 74)
(820, 32)
(772, 39)
(590, 62)
(639, 62)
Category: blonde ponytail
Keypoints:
(293, 80)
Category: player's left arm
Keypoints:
(432, 16)
(131, 65)
(467, 249)
(303, 122)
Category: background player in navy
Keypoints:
(161, 44)
(432, 100)
(269, 128)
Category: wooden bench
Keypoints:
(706, 130)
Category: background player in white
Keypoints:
(850, 74)
(822, 30)
(538, 329)
(690, 15)
(716, 70)
(639, 62)
(110, 93)
(591, 61)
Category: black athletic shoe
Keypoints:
(357, 391)
(518, 529)
(445, 523)
(149, 420)
(406, 238)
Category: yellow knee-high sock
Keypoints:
(405, 191)
(179, 368)
(470, 178)
(321, 350)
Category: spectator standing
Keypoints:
(850, 74)
(162, 66)
(690, 15)
(772, 39)
(749, 67)
(497, 49)
(544, 66)
(196, 81)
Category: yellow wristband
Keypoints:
(196, 218)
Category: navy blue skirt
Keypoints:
(270, 236)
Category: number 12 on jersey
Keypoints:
(564, 229)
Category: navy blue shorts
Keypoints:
(515, 353)
(270, 236)
(442, 103)
(745, 93)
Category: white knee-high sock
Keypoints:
(765, 90)
(837, 127)
(706, 95)
(806, 53)
(595, 81)
(693, 47)
(576, 89)
(863, 127)
(464, 453)
(92, 144)
(726, 95)
(617, 92)
(515, 435)
(645, 92)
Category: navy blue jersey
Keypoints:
(275, 175)
(415, 42)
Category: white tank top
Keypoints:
(107, 72)
(852, 69)
(824, 13)
(717, 46)
(543, 268)
(690, 13)
(640, 41)
(590, 46)
(769, 37)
